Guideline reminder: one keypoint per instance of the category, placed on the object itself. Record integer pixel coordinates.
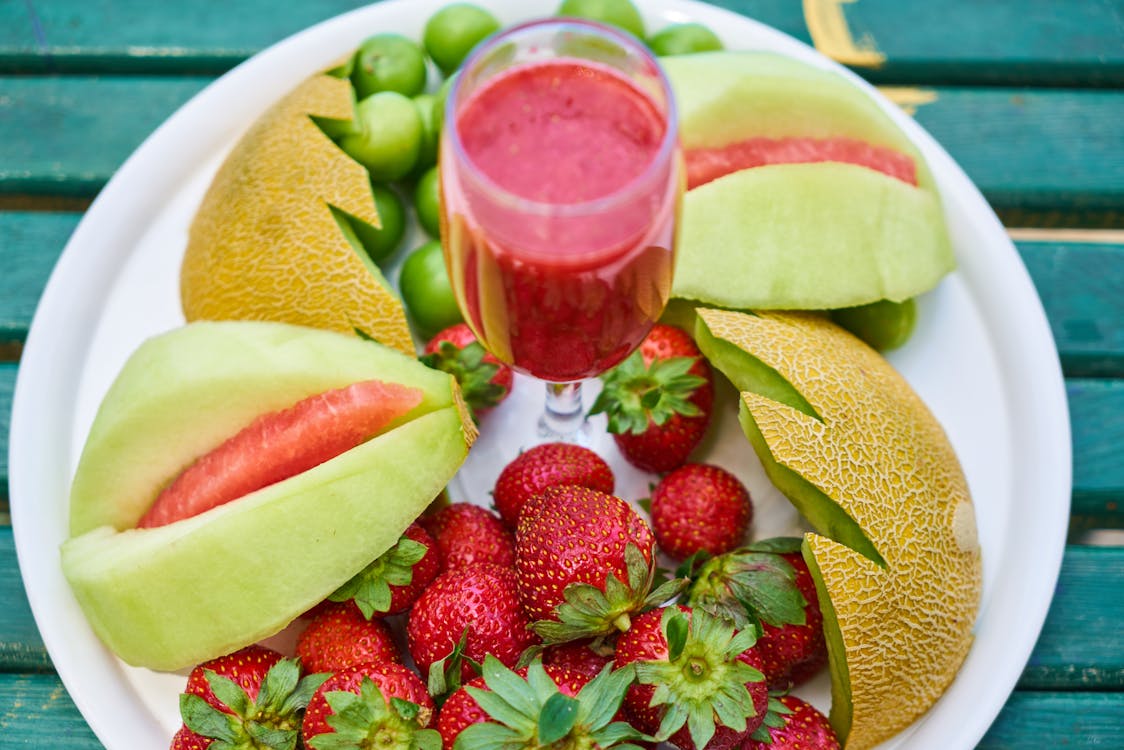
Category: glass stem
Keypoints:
(563, 418)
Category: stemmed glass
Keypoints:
(561, 180)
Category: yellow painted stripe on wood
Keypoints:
(832, 36)
(1046, 234)
(909, 98)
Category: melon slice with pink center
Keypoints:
(170, 596)
(281, 444)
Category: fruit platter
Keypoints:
(798, 512)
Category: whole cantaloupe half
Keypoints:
(896, 560)
(179, 594)
(833, 231)
(265, 243)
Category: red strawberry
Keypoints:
(793, 652)
(484, 380)
(460, 709)
(804, 728)
(577, 656)
(658, 400)
(477, 605)
(249, 699)
(693, 662)
(392, 582)
(584, 563)
(384, 700)
(340, 636)
(185, 739)
(468, 533)
(700, 508)
(548, 465)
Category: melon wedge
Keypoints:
(896, 558)
(266, 243)
(818, 235)
(809, 236)
(176, 595)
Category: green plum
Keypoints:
(388, 62)
(452, 32)
(431, 130)
(620, 13)
(426, 290)
(380, 243)
(684, 39)
(427, 201)
(390, 137)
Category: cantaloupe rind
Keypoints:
(265, 243)
(898, 624)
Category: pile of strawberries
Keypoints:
(547, 623)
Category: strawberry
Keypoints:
(367, 705)
(249, 699)
(699, 682)
(584, 561)
(185, 739)
(392, 582)
(548, 465)
(549, 708)
(468, 533)
(340, 636)
(582, 657)
(768, 583)
(466, 613)
(484, 380)
(658, 400)
(700, 508)
(794, 652)
(460, 709)
(804, 728)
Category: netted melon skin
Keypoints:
(264, 244)
(878, 452)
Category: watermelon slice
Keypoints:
(707, 164)
(282, 444)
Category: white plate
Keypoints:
(983, 359)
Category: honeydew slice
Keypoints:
(175, 595)
(896, 561)
(809, 236)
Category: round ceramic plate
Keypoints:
(982, 358)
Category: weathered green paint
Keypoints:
(1030, 150)
(21, 648)
(1097, 418)
(31, 244)
(952, 41)
(1056, 720)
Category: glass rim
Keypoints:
(663, 155)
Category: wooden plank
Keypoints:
(1095, 408)
(21, 648)
(38, 713)
(1040, 150)
(951, 42)
(1080, 287)
(32, 242)
(1071, 720)
(7, 389)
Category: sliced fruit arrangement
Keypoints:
(803, 193)
(896, 559)
(261, 559)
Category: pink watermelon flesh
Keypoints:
(281, 444)
(706, 164)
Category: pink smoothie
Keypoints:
(560, 216)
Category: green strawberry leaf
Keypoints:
(634, 396)
(557, 718)
(370, 588)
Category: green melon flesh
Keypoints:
(727, 96)
(185, 392)
(176, 595)
(809, 236)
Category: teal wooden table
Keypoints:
(1027, 95)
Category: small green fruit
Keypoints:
(452, 32)
(620, 13)
(390, 137)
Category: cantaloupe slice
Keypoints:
(265, 243)
(178, 594)
(896, 560)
